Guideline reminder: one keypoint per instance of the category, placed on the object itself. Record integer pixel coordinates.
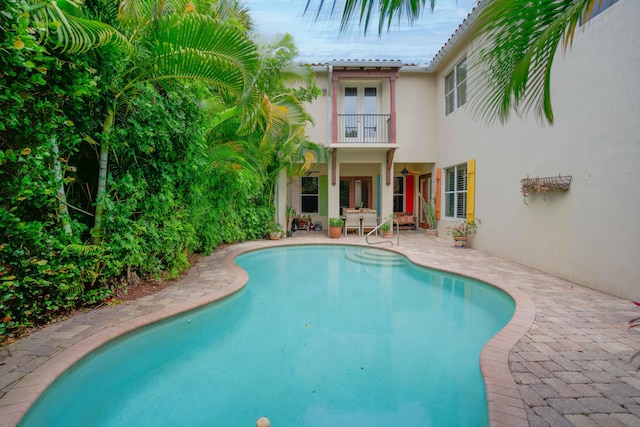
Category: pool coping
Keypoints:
(505, 406)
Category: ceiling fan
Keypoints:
(406, 172)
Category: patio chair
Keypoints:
(369, 220)
(352, 221)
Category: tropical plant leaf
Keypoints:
(386, 11)
(198, 47)
(135, 12)
(74, 32)
(513, 70)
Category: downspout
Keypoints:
(330, 106)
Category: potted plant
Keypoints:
(273, 230)
(290, 214)
(430, 212)
(335, 227)
(387, 227)
(461, 232)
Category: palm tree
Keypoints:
(159, 41)
(272, 134)
(180, 46)
(523, 37)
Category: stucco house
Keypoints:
(397, 130)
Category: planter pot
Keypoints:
(335, 232)
(460, 241)
(275, 236)
(432, 232)
(387, 233)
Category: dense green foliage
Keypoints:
(188, 167)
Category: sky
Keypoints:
(319, 41)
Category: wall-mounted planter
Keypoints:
(544, 185)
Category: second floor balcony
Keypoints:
(363, 128)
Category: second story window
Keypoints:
(455, 87)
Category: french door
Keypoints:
(360, 108)
(355, 192)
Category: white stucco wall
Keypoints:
(416, 118)
(318, 109)
(590, 234)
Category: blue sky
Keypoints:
(319, 41)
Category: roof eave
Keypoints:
(460, 32)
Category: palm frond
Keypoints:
(74, 32)
(386, 11)
(222, 117)
(106, 11)
(82, 249)
(134, 12)
(281, 117)
(198, 47)
(233, 12)
(293, 73)
(513, 71)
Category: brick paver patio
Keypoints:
(563, 360)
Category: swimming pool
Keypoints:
(319, 337)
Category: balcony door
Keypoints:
(360, 108)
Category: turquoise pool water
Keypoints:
(318, 337)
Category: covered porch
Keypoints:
(359, 178)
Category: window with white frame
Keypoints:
(398, 194)
(309, 194)
(455, 87)
(455, 192)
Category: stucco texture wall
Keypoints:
(319, 131)
(591, 233)
(416, 118)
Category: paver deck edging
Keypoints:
(505, 406)
(19, 399)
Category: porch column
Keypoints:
(333, 190)
(295, 193)
(386, 195)
(392, 121)
(281, 198)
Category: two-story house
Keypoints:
(396, 130)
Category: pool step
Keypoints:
(375, 257)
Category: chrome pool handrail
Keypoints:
(385, 240)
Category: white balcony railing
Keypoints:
(364, 128)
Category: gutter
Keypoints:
(330, 105)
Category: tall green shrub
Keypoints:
(47, 104)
